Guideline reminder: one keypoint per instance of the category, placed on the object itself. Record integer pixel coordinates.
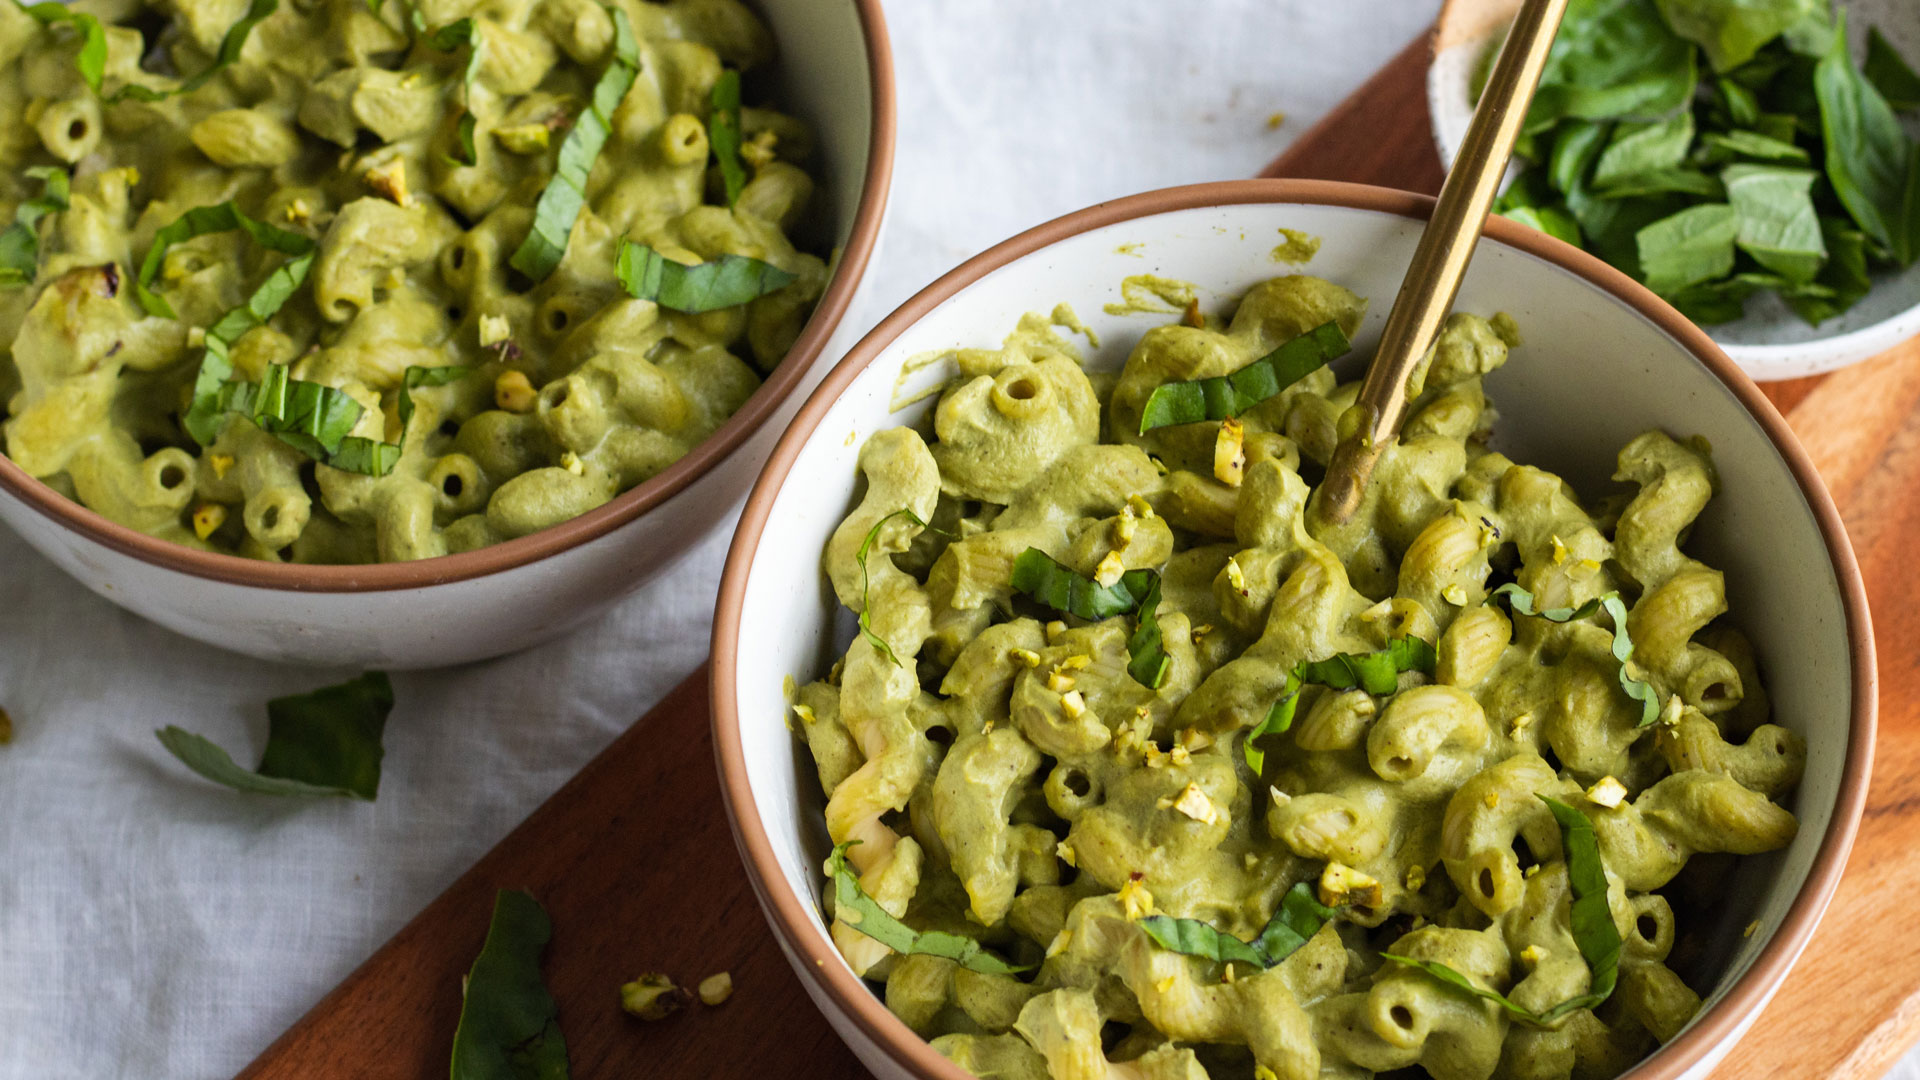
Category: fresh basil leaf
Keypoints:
(1778, 225)
(1611, 226)
(1889, 72)
(1867, 151)
(1642, 692)
(1577, 146)
(1226, 396)
(1551, 220)
(451, 38)
(1644, 148)
(204, 221)
(1036, 574)
(1614, 59)
(1594, 933)
(1689, 247)
(1752, 144)
(1725, 300)
(723, 133)
(852, 906)
(509, 1024)
(1298, 918)
(1147, 659)
(729, 281)
(1378, 673)
(566, 193)
(1676, 181)
(318, 744)
(1844, 279)
(1731, 31)
(1590, 920)
(866, 548)
(1743, 108)
(1811, 36)
(20, 243)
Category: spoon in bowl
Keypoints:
(1440, 261)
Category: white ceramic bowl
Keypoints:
(1604, 360)
(1771, 342)
(836, 71)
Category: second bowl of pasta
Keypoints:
(1064, 737)
(332, 330)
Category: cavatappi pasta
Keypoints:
(1010, 781)
(404, 147)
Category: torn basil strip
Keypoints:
(205, 221)
(451, 38)
(729, 281)
(1378, 673)
(1299, 917)
(325, 743)
(1036, 574)
(723, 133)
(866, 548)
(509, 1023)
(1225, 396)
(854, 908)
(20, 242)
(1639, 690)
(565, 195)
(1147, 659)
(1590, 921)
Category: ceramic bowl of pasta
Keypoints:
(1064, 736)
(335, 329)
(1749, 163)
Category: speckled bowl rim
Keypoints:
(623, 509)
(793, 919)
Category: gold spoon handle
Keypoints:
(1440, 261)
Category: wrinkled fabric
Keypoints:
(155, 926)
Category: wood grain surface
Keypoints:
(634, 860)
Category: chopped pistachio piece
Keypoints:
(653, 997)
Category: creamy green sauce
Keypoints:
(1296, 247)
(1151, 294)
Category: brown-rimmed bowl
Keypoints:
(835, 71)
(1604, 361)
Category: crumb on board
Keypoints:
(653, 997)
(715, 989)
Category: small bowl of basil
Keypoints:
(1755, 164)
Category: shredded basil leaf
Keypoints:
(1036, 574)
(729, 281)
(723, 133)
(866, 548)
(1226, 396)
(566, 193)
(1147, 659)
(509, 1024)
(20, 243)
(1378, 673)
(1890, 73)
(325, 743)
(203, 416)
(852, 906)
(450, 38)
(1299, 917)
(1637, 689)
(92, 58)
(1590, 920)
(205, 221)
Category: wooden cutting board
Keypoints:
(634, 860)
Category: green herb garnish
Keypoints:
(509, 1023)
(723, 133)
(866, 548)
(1036, 574)
(326, 743)
(1591, 922)
(92, 58)
(1637, 689)
(1147, 659)
(1789, 172)
(566, 193)
(20, 243)
(1377, 673)
(205, 221)
(450, 38)
(1226, 396)
(1299, 917)
(852, 906)
(729, 281)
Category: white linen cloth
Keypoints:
(154, 926)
